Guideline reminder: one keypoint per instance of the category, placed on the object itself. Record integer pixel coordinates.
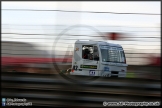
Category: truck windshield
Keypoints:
(112, 54)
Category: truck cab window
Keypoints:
(90, 52)
(87, 52)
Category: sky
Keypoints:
(131, 25)
(49, 17)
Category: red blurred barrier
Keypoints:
(20, 60)
(155, 61)
(114, 36)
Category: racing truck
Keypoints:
(98, 58)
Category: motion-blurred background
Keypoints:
(35, 32)
(37, 37)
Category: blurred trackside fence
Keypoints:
(52, 90)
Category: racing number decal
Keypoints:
(75, 67)
(91, 72)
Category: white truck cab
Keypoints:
(97, 58)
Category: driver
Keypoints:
(86, 53)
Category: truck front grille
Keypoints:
(114, 72)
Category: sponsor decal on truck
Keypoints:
(88, 66)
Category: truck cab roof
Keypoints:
(97, 42)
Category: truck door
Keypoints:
(90, 64)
